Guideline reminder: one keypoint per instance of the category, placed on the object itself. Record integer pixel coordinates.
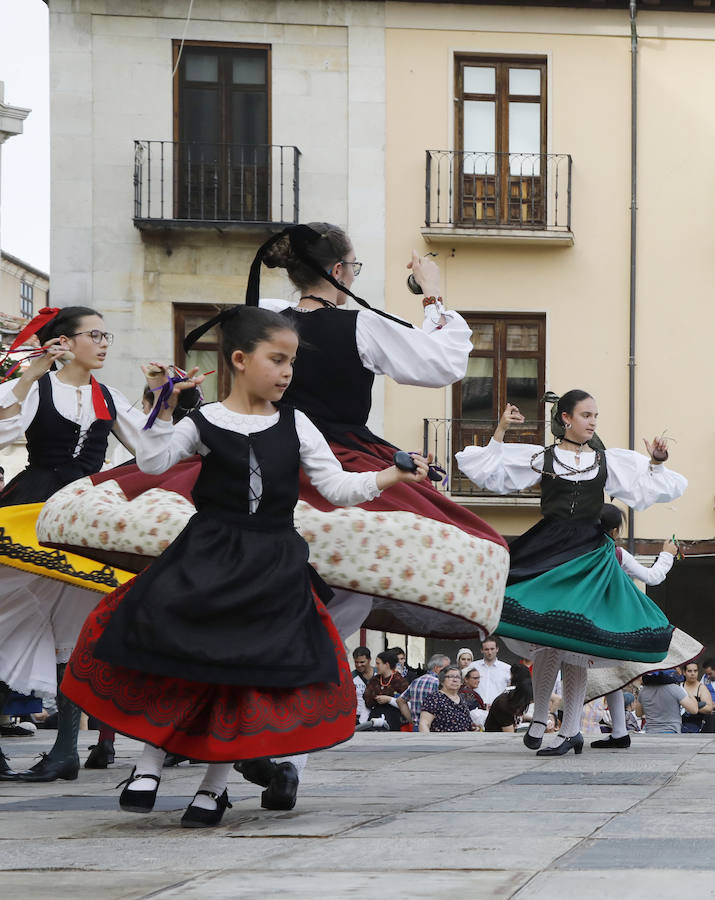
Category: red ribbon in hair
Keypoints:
(45, 315)
(101, 409)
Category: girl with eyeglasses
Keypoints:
(66, 417)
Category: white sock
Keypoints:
(215, 780)
(574, 678)
(617, 709)
(149, 763)
(298, 761)
(546, 667)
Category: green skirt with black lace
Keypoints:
(586, 605)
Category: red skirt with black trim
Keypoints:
(209, 722)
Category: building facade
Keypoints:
(23, 288)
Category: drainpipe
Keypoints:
(634, 212)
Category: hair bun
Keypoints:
(279, 255)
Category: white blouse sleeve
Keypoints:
(653, 575)
(339, 487)
(427, 356)
(14, 428)
(129, 421)
(164, 445)
(633, 479)
(502, 468)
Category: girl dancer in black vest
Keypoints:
(181, 657)
(66, 417)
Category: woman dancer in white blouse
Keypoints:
(568, 603)
(66, 416)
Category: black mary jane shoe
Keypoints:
(611, 743)
(574, 743)
(138, 801)
(48, 769)
(6, 773)
(282, 792)
(533, 743)
(257, 771)
(197, 817)
(100, 756)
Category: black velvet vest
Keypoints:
(330, 383)
(562, 498)
(223, 482)
(51, 439)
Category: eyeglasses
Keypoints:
(357, 266)
(97, 335)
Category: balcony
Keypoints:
(445, 437)
(522, 198)
(180, 184)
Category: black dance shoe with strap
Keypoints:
(574, 743)
(49, 769)
(280, 781)
(533, 743)
(100, 756)
(611, 743)
(138, 801)
(198, 817)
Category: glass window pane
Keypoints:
(479, 136)
(479, 80)
(193, 320)
(249, 117)
(478, 389)
(483, 336)
(525, 81)
(201, 67)
(207, 361)
(522, 384)
(524, 138)
(249, 68)
(199, 115)
(522, 337)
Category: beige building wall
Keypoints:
(583, 289)
(13, 273)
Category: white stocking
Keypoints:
(215, 780)
(149, 763)
(574, 678)
(617, 709)
(298, 761)
(546, 667)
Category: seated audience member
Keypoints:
(382, 691)
(695, 723)
(660, 699)
(470, 691)
(406, 671)
(362, 673)
(410, 703)
(465, 658)
(445, 709)
(708, 680)
(509, 706)
(629, 701)
(495, 673)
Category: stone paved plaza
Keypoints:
(393, 815)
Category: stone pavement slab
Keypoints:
(404, 814)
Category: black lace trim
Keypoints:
(577, 627)
(54, 561)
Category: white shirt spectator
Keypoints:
(494, 679)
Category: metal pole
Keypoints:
(634, 213)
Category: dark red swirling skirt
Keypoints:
(209, 722)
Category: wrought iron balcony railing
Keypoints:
(470, 189)
(189, 182)
(445, 437)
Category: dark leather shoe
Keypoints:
(138, 801)
(257, 771)
(6, 773)
(197, 817)
(533, 743)
(281, 793)
(574, 743)
(100, 756)
(48, 769)
(611, 743)
(175, 759)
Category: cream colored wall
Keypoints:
(583, 289)
(111, 83)
(11, 276)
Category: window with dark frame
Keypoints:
(206, 353)
(27, 293)
(500, 141)
(222, 132)
(507, 365)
